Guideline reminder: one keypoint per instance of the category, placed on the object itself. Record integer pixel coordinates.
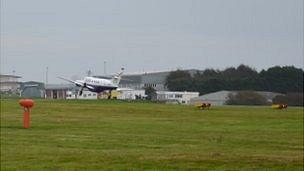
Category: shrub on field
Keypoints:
(292, 99)
(150, 92)
(246, 98)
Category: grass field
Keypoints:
(114, 135)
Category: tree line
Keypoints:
(275, 79)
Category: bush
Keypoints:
(150, 92)
(292, 99)
(246, 98)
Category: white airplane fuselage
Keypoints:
(98, 85)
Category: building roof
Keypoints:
(191, 71)
(219, 95)
(6, 75)
(131, 79)
(32, 84)
(176, 92)
(10, 82)
(59, 86)
(155, 77)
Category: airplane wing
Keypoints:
(123, 89)
(89, 87)
(78, 83)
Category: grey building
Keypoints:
(217, 98)
(157, 80)
(32, 89)
(220, 97)
(58, 91)
(181, 97)
(9, 83)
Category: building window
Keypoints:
(178, 96)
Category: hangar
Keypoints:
(32, 89)
(220, 97)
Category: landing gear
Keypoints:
(109, 93)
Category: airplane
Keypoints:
(97, 85)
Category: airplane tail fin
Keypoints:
(116, 79)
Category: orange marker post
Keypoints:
(26, 118)
(27, 104)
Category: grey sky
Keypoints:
(72, 36)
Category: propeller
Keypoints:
(81, 90)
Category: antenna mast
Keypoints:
(47, 75)
(104, 67)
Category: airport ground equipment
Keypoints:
(279, 106)
(27, 104)
(203, 106)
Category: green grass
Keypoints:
(115, 135)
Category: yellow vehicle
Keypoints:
(203, 106)
(279, 106)
(109, 95)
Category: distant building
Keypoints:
(139, 81)
(86, 94)
(58, 91)
(220, 97)
(32, 89)
(131, 94)
(125, 94)
(176, 96)
(269, 96)
(9, 83)
(217, 98)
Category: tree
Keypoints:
(246, 98)
(276, 79)
(208, 73)
(282, 79)
(179, 81)
(150, 92)
(209, 85)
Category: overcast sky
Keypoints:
(73, 36)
